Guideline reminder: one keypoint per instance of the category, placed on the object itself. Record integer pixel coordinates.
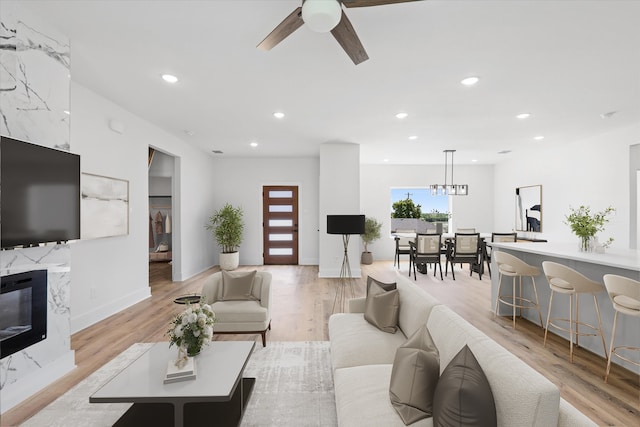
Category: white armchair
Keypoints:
(240, 316)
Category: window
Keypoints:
(434, 209)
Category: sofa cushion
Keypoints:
(381, 309)
(414, 377)
(354, 341)
(238, 311)
(463, 396)
(238, 285)
(520, 393)
(383, 285)
(362, 398)
(415, 305)
(571, 417)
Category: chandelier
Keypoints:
(449, 189)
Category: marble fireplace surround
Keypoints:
(34, 107)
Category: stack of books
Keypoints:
(176, 374)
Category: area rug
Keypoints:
(294, 387)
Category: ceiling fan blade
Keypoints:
(348, 39)
(283, 30)
(366, 3)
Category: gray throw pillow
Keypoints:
(382, 307)
(385, 286)
(414, 377)
(237, 286)
(463, 396)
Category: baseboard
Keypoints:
(102, 312)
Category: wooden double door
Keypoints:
(280, 224)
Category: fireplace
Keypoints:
(23, 311)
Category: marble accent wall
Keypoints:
(34, 107)
(34, 80)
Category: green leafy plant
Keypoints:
(227, 227)
(585, 224)
(371, 231)
(406, 209)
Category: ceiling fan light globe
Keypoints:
(321, 16)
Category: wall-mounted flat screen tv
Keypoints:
(39, 194)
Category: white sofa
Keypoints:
(362, 358)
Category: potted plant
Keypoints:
(585, 225)
(227, 227)
(370, 235)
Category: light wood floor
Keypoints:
(302, 304)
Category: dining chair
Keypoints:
(426, 250)
(465, 230)
(500, 238)
(465, 249)
(402, 246)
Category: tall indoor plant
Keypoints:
(370, 235)
(227, 227)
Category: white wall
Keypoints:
(160, 186)
(110, 274)
(593, 172)
(339, 195)
(240, 182)
(634, 190)
(475, 210)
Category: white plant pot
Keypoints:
(229, 261)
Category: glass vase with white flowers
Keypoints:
(192, 329)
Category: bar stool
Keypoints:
(509, 265)
(565, 280)
(625, 296)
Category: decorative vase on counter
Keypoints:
(587, 243)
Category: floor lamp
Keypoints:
(345, 225)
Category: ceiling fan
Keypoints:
(323, 16)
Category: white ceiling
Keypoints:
(566, 62)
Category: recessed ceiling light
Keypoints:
(169, 78)
(523, 115)
(385, 160)
(413, 137)
(401, 115)
(67, 112)
(470, 81)
(278, 115)
(538, 138)
(254, 144)
(504, 152)
(474, 160)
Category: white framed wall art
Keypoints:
(104, 206)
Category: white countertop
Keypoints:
(621, 258)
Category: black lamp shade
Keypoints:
(345, 224)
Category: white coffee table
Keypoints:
(217, 395)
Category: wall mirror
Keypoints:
(529, 208)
